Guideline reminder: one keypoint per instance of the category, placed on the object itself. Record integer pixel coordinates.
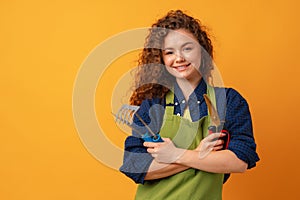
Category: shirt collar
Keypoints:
(197, 94)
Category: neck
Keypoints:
(187, 86)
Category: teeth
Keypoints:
(182, 67)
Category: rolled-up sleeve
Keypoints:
(137, 160)
(239, 124)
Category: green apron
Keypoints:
(190, 184)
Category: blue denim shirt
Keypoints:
(231, 106)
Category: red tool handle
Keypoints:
(226, 138)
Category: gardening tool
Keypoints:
(125, 116)
(216, 124)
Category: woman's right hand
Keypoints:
(210, 143)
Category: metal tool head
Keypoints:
(212, 111)
(125, 114)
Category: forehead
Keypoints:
(177, 38)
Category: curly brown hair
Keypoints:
(151, 78)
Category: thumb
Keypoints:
(166, 139)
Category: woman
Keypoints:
(173, 75)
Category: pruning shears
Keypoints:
(216, 125)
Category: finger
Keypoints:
(166, 139)
(152, 150)
(219, 145)
(214, 136)
(212, 144)
(150, 144)
(149, 150)
(223, 134)
(207, 146)
(218, 142)
(216, 148)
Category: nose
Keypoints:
(179, 58)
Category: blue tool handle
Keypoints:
(150, 138)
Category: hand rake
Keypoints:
(125, 116)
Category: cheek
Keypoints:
(168, 60)
(170, 71)
(194, 58)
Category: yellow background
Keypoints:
(43, 44)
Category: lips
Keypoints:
(181, 67)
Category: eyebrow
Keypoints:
(170, 48)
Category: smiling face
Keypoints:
(182, 55)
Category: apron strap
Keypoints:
(170, 103)
(170, 99)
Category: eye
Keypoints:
(168, 52)
(187, 48)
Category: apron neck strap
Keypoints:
(170, 99)
(170, 103)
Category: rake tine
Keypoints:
(125, 116)
(118, 118)
(122, 113)
(131, 126)
(126, 112)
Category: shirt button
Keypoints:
(183, 101)
(178, 114)
(176, 103)
(198, 102)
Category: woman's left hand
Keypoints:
(164, 152)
